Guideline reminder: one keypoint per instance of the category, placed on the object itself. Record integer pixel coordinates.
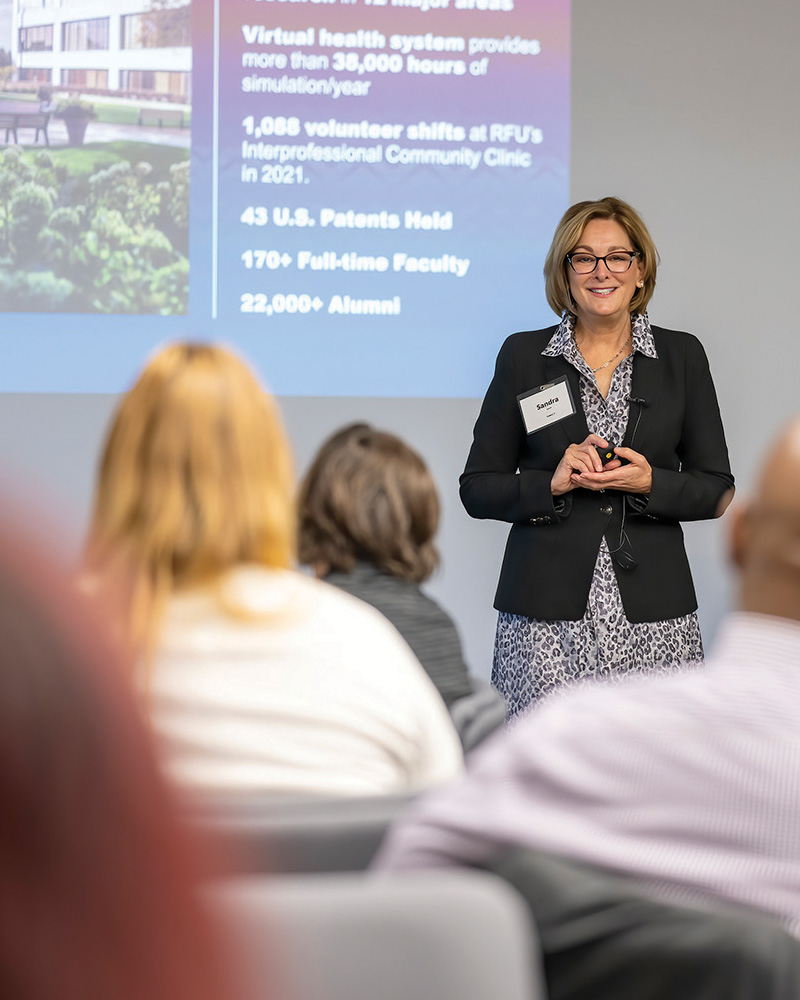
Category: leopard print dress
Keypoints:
(533, 658)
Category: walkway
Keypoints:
(95, 131)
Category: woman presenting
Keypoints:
(596, 438)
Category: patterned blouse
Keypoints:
(533, 657)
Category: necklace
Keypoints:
(610, 360)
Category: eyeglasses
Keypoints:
(617, 262)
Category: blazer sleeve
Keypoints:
(694, 492)
(491, 485)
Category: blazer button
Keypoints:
(606, 509)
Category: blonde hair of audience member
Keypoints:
(99, 876)
(195, 479)
(368, 495)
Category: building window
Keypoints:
(78, 36)
(85, 79)
(35, 75)
(38, 38)
(174, 86)
(156, 29)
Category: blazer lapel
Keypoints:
(645, 390)
(574, 429)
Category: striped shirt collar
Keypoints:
(562, 343)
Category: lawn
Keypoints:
(81, 161)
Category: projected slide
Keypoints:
(358, 194)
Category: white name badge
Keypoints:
(546, 405)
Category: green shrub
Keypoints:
(38, 291)
(29, 209)
(112, 239)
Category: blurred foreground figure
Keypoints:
(97, 880)
(259, 679)
(690, 782)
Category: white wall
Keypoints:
(688, 110)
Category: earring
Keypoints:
(640, 284)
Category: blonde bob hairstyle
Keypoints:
(567, 236)
(368, 496)
(195, 478)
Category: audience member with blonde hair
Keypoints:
(258, 678)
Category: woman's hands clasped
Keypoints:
(580, 466)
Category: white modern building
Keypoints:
(141, 48)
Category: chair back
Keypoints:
(478, 715)
(455, 935)
(264, 836)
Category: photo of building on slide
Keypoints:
(95, 116)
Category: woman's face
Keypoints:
(604, 295)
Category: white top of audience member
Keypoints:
(305, 691)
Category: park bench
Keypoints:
(162, 117)
(11, 121)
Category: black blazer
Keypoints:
(553, 544)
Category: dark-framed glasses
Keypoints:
(618, 261)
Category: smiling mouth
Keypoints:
(602, 291)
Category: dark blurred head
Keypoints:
(368, 496)
(765, 533)
(97, 878)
